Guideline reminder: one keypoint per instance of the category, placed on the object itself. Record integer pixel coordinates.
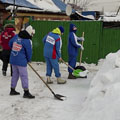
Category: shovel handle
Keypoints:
(41, 78)
(59, 97)
(67, 65)
(81, 50)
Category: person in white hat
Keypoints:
(21, 54)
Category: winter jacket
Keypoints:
(52, 44)
(73, 40)
(6, 35)
(21, 52)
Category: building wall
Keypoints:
(22, 15)
(23, 18)
(45, 16)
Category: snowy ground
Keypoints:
(44, 106)
(94, 98)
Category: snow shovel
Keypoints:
(76, 72)
(57, 96)
(81, 67)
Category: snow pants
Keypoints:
(52, 64)
(72, 62)
(5, 59)
(19, 71)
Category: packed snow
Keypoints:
(44, 106)
(93, 98)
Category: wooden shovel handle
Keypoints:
(67, 64)
(81, 50)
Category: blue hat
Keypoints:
(72, 26)
(61, 29)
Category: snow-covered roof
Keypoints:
(45, 5)
(22, 3)
(60, 4)
(89, 17)
(50, 5)
(97, 5)
(110, 17)
(106, 5)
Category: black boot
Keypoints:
(70, 76)
(13, 92)
(27, 94)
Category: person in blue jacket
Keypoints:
(21, 54)
(73, 47)
(52, 53)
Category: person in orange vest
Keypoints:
(6, 35)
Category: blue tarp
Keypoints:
(85, 13)
(61, 5)
(21, 3)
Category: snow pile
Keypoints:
(103, 101)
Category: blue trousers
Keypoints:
(50, 65)
(19, 71)
(72, 62)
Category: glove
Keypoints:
(81, 47)
(60, 60)
(82, 38)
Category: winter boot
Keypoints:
(70, 76)
(13, 92)
(49, 81)
(4, 73)
(60, 81)
(27, 94)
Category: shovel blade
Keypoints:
(59, 97)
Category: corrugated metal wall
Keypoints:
(99, 41)
(110, 41)
(92, 31)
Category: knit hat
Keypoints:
(30, 30)
(61, 29)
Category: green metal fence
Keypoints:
(99, 41)
(109, 42)
(92, 31)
